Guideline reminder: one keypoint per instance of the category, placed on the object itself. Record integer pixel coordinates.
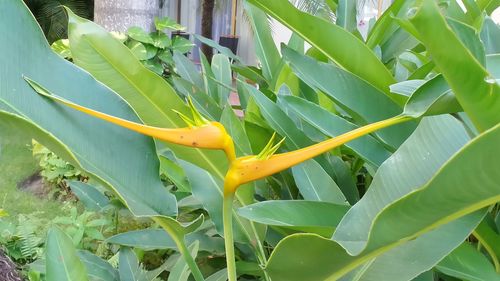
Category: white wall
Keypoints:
(496, 16)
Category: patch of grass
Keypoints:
(16, 164)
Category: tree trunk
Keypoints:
(119, 15)
(207, 15)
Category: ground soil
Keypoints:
(8, 270)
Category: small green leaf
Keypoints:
(61, 47)
(139, 34)
(467, 263)
(310, 216)
(92, 198)
(346, 15)
(265, 47)
(138, 49)
(320, 34)
(129, 267)
(98, 269)
(182, 45)
(221, 68)
(471, 83)
(314, 183)
(161, 40)
(167, 23)
(63, 263)
(223, 50)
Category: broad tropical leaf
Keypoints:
(320, 34)
(97, 268)
(89, 144)
(264, 44)
(332, 125)
(360, 99)
(466, 263)
(475, 89)
(310, 216)
(129, 267)
(452, 181)
(63, 263)
(158, 239)
(424, 251)
(92, 198)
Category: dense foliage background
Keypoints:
(399, 179)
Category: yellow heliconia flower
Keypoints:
(251, 168)
(200, 132)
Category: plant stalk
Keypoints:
(181, 246)
(227, 218)
(195, 270)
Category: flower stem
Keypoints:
(181, 246)
(227, 217)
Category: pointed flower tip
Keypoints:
(37, 87)
(197, 119)
(186, 119)
(270, 149)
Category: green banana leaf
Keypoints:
(402, 172)
(187, 70)
(320, 34)
(453, 181)
(63, 263)
(211, 86)
(221, 68)
(346, 15)
(386, 25)
(265, 48)
(367, 147)
(97, 268)
(295, 139)
(466, 263)
(314, 183)
(434, 97)
(157, 239)
(323, 259)
(469, 38)
(236, 130)
(91, 198)
(221, 49)
(129, 267)
(309, 216)
(111, 155)
(475, 89)
(361, 100)
(489, 35)
(204, 103)
(358, 221)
